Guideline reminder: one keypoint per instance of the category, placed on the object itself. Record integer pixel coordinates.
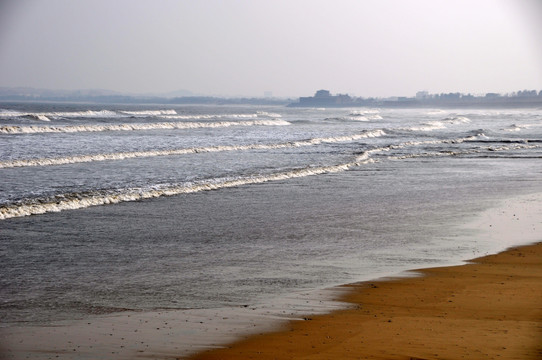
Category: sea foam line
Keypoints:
(83, 200)
(97, 198)
(438, 124)
(467, 152)
(111, 114)
(184, 151)
(135, 127)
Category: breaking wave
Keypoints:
(149, 112)
(15, 129)
(74, 201)
(365, 115)
(95, 198)
(457, 120)
(140, 154)
(438, 124)
(482, 150)
(351, 117)
(110, 114)
(515, 127)
(38, 117)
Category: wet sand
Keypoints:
(490, 308)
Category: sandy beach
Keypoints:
(490, 308)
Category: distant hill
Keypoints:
(112, 97)
(32, 92)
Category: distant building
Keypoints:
(322, 94)
(492, 95)
(422, 95)
(323, 98)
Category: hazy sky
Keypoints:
(290, 47)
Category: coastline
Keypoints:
(171, 334)
(485, 308)
(489, 308)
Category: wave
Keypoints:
(438, 124)
(16, 129)
(418, 143)
(184, 151)
(365, 115)
(457, 120)
(516, 127)
(211, 117)
(364, 112)
(356, 117)
(347, 118)
(109, 114)
(149, 112)
(435, 112)
(74, 201)
(31, 116)
(428, 126)
(38, 117)
(482, 150)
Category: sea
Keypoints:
(113, 208)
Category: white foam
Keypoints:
(135, 127)
(438, 124)
(39, 117)
(63, 114)
(163, 113)
(467, 151)
(141, 154)
(258, 114)
(14, 114)
(435, 112)
(364, 112)
(365, 115)
(267, 114)
(84, 200)
(457, 120)
(387, 148)
(515, 127)
(429, 126)
(211, 117)
(149, 112)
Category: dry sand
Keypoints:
(490, 308)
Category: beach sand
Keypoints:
(490, 308)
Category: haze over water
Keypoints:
(283, 48)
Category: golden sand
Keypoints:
(490, 308)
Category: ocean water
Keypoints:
(108, 208)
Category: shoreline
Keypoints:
(488, 308)
(171, 334)
(485, 308)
